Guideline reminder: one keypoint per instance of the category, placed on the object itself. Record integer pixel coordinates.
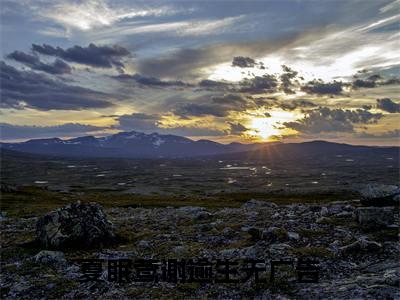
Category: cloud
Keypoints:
(150, 81)
(243, 62)
(214, 105)
(138, 121)
(321, 88)
(373, 81)
(88, 15)
(21, 89)
(388, 105)
(215, 85)
(32, 61)
(259, 84)
(153, 123)
(12, 132)
(237, 128)
(287, 83)
(197, 110)
(325, 119)
(385, 135)
(92, 55)
(292, 105)
(193, 63)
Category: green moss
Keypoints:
(312, 252)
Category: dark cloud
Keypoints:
(321, 88)
(138, 121)
(370, 82)
(237, 128)
(259, 84)
(388, 105)
(292, 105)
(10, 131)
(94, 56)
(287, 80)
(243, 62)
(34, 90)
(150, 81)
(325, 119)
(373, 81)
(32, 61)
(217, 105)
(197, 110)
(215, 85)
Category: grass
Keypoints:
(34, 201)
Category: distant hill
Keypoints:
(140, 145)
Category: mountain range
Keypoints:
(141, 145)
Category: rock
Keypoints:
(114, 254)
(324, 212)
(380, 195)
(255, 233)
(374, 217)
(144, 244)
(179, 250)
(279, 249)
(3, 215)
(392, 277)
(361, 245)
(335, 209)
(46, 256)
(344, 214)
(293, 236)
(258, 204)
(76, 225)
(197, 212)
(228, 232)
(7, 188)
(274, 234)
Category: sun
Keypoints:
(263, 128)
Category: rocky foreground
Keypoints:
(355, 242)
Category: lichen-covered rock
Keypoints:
(379, 195)
(275, 234)
(46, 256)
(76, 225)
(359, 246)
(374, 217)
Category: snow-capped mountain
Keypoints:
(127, 144)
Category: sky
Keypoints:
(243, 71)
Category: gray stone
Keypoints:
(76, 225)
(293, 236)
(374, 217)
(344, 214)
(46, 256)
(361, 245)
(324, 211)
(274, 234)
(379, 194)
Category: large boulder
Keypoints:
(375, 217)
(76, 225)
(380, 195)
(46, 256)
